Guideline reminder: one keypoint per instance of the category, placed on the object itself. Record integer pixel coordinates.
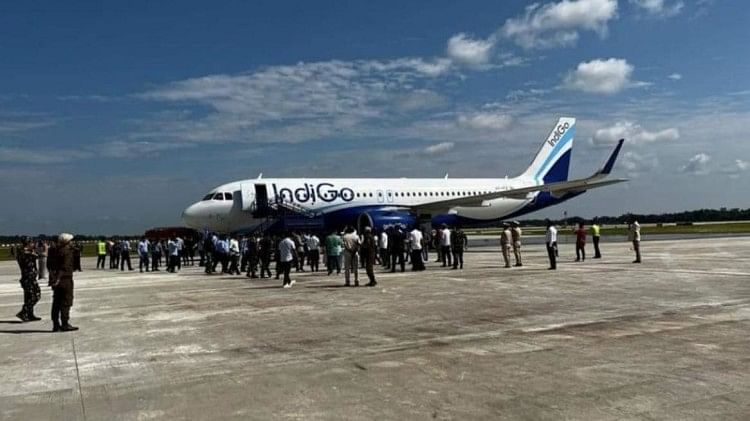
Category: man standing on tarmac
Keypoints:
(551, 240)
(595, 232)
(445, 245)
(125, 254)
(101, 253)
(385, 260)
(580, 243)
(351, 255)
(62, 284)
(415, 239)
(634, 235)
(459, 242)
(143, 254)
(515, 232)
(333, 250)
(396, 246)
(370, 250)
(287, 255)
(505, 239)
(26, 258)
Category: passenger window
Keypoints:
(219, 196)
(228, 196)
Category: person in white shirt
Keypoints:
(415, 240)
(634, 235)
(234, 256)
(352, 244)
(445, 245)
(551, 240)
(383, 246)
(313, 252)
(143, 247)
(287, 255)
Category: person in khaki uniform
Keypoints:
(506, 237)
(516, 234)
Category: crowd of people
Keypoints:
(348, 251)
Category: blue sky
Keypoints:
(115, 116)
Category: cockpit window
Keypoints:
(219, 196)
(208, 196)
(228, 196)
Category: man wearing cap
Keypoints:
(61, 281)
(26, 258)
(515, 232)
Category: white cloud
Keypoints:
(421, 99)
(675, 76)
(636, 164)
(659, 8)
(697, 165)
(439, 148)
(558, 24)
(292, 103)
(40, 155)
(738, 167)
(485, 120)
(463, 49)
(134, 149)
(10, 126)
(633, 134)
(601, 76)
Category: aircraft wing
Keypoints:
(598, 179)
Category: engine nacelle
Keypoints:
(383, 219)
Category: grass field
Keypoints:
(719, 228)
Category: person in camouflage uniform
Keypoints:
(26, 258)
(61, 281)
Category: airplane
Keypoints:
(324, 204)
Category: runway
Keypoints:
(598, 340)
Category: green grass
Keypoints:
(720, 228)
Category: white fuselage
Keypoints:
(328, 196)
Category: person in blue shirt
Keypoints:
(143, 246)
(125, 255)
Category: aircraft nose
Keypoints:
(191, 216)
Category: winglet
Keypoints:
(607, 168)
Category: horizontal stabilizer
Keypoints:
(598, 179)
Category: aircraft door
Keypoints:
(381, 196)
(261, 201)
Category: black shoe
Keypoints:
(56, 328)
(347, 284)
(33, 318)
(636, 261)
(371, 284)
(23, 316)
(68, 328)
(356, 284)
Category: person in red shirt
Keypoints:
(580, 243)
